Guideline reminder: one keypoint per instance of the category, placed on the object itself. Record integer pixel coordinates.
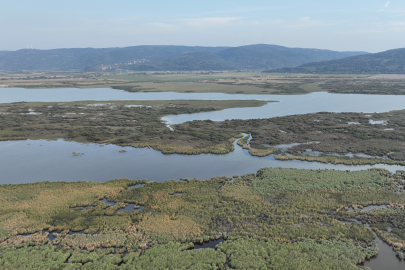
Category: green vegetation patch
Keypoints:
(29, 208)
(306, 254)
(238, 254)
(171, 256)
(40, 257)
(125, 123)
(303, 180)
(333, 135)
(274, 219)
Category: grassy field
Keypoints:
(208, 82)
(274, 219)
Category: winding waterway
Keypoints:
(41, 160)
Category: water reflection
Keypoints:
(209, 244)
(385, 259)
(287, 105)
(27, 162)
(128, 208)
(300, 104)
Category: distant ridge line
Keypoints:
(165, 58)
(387, 62)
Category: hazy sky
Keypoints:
(367, 25)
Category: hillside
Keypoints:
(388, 62)
(174, 58)
(271, 56)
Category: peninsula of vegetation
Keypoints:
(126, 123)
(339, 138)
(325, 137)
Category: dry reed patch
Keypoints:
(219, 149)
(54, 197)
(13, 220)
(174, 203)
(177, 203)
(91, 242)
(390, 239)
(341, 160)
(112, 222)
(19, 239)
(239, 193)
(161, 195)
(18, 223)
(161, 224)
(261, 152)
(29, 207)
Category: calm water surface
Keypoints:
(385, 259)
(31, 161)
(40, 160)
(300, 104)
(286, 105)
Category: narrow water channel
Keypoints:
(385, 259)
(209, 244)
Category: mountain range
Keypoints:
(166, 58)
(387, 62)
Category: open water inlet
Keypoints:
(43, 160)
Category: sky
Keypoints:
(356, 25)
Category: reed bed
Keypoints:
(254, 151)
(275, 217)
(341, 160)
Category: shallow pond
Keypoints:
(130, 206)
(209, 244)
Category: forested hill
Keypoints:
(162, 58)
(388, 62)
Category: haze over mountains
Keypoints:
(165, 58)
(388, 62)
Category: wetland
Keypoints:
(376, 138)
(312, 181)
(274, 218)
